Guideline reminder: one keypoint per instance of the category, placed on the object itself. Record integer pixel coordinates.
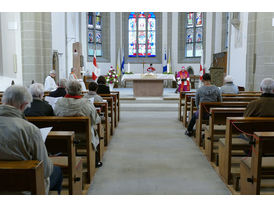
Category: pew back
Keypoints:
(236, 125)
(76, 124)
(17, 176)
(252, 169)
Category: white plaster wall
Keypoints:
(59, 40)
(72, 36)
(11, 50)
(238, 51)
(65, 32)
(208, 52)
(218, 33)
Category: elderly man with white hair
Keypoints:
(50, 84)
(38, 107)
(74, 105)
(263, 107)
(229, 87)
(20, 139)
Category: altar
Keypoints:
(149, 84)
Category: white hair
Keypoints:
(267, 85)
(63, 83)
(36, 90)
(16, 96)
(52, 72)
(228, 78)
(74, 88)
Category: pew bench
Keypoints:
(187, 108)
(235, 126)
(76, 124)
(118, 103)
(204, 111)
(110, 113)
(216, 129)
(114, 106)
(181, 104)
(64, 142)
(256, 170)
(105, 123)
(18, 176)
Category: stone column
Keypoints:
(36, 46)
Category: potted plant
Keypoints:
(112, 78)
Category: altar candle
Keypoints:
(128, 67)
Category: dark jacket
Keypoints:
(39, 108)
(262, 107)
(59, 92)
(103, 89)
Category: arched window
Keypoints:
(141, 35)
(94, 34)
(194, 34)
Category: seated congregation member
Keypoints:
(50, 84)
(21, 140)
(72, 75)
(93, 87)
(74, 105)
(206, 93)
(229, 87)
(102, 87)
(61, 90)
(38, 107)
(262, 107)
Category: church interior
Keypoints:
(161, 130)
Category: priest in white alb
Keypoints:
(50, 84)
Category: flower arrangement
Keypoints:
(112, 77)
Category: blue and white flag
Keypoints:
(123, 63)
(165, 64)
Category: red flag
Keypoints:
(94, 60)
(94, 77)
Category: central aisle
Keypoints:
(150, 155)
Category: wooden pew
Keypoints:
(253, 169)
(76, 124)
(181, 104)
(114, 105)
(204, 108)
(216, 128)
(118, 102)
(239, 98)
(193, 108)
(27, 175)
(226, 146)
(187, 108)
(110, 113)
(1, 96)
(64, 142)
(105, 123)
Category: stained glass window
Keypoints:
(194, 34)
(132, 31)
(142, 35)
(94, 33)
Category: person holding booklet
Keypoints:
(21, 140)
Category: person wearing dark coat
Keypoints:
(102, 87)
(263, 106)
(38, 107)
(61, 90)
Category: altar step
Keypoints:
(149, 104)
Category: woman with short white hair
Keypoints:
(229, 87)
(38, 107)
